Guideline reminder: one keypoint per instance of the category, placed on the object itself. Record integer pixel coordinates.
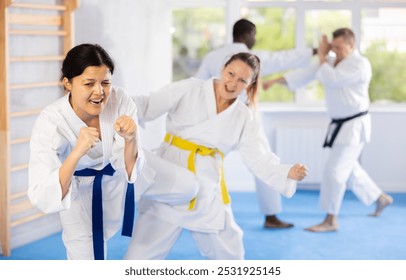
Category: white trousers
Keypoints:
(153, 239)
(342, 168)
(270, 202)
(77, 232)
(172, 184)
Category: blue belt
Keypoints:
(97, 208)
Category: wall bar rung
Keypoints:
(18, 195)
(26, 19)
(21, 207)
(19, 167)
(38, 32)
(25, 113)
(38, 6)
(35, 85)
(37, 58)
(20, 140)
(27, 219)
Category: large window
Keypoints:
(275, 32)
(317, 23)
(195, 31)
(379, 27)
(383, 41)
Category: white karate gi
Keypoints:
(270, 202)
(54, 135)
(271, 62)
(192, 115)
(346, 92)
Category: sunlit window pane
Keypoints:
(275, 31)
(194, 33)
(384, 43)
(319, 22)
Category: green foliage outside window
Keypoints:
(275, 28)
(275, 31)
(196, 32)
(388, 73)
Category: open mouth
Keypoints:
(229, 90)
(96, 101)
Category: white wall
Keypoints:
(137, 35)
(385, 156)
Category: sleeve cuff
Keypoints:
(290, 189)
(289, 186)
(47, 198)
(138, 167)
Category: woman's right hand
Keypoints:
(88, 137)
(297, 172)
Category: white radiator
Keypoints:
(305, 145)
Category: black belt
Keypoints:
(335, 126)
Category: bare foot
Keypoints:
(383, 201)
(272, 221)
(329, 224)
(323, 227)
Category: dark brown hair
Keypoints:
(346, 33)
(83, 56)
(252, 61)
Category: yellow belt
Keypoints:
(203, 151)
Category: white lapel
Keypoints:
(214, 120)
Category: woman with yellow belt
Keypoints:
(205, 120)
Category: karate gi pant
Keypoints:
(153, 239)
(77, 221)
(169, 184)
(270, 201)
(342, 168)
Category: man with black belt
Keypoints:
(346, 79)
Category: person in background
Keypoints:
(205, 120)
(346, 78)
(244, 37)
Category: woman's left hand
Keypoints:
(297, 172)
(126, 127)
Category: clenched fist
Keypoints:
(297, 172)
(126, 127)
(87, 139)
